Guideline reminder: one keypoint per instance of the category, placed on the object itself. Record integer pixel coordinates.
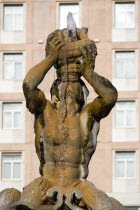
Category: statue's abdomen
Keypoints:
(63, 152)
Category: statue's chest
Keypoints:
(59, 132)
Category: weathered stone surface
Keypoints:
(66, 128)
(8, 196)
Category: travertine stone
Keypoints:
(66, 128)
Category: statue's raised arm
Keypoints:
(107, 93)
(35, 98)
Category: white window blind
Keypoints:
(64, 9)
(12, 66)
(11, 166)
(125, 164)
(12, 116)
(125, 64)
(125, 114)
(125, 15)
(13, 17)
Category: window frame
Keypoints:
(125, 165)
(12, 63)
(67, 3)
(124, 2)
(125, 126)
(12, 128)
(125, 61)
(13, 4)
(12, 164)
(129, 207)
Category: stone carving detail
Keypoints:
(66, 128)
(7, 197)
(70, 200)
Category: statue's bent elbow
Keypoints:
(112, 96)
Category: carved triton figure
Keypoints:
(66, 130)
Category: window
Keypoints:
(64, 9)
(12, 66)
(12, 115)
(13, 17)
(125, 64)
(125, 164)
(125, 15)
(125, 114)
(11, 166)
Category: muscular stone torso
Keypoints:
(68, 146)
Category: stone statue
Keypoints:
(66, 128)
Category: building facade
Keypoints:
(114, 26)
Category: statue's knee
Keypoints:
(86, 185)
(8, 196)
(89, 193)
(31, 195)
(36, 183)
(39, 180)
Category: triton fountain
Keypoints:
(66, 128)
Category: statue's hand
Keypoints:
(87, 60)
(72, 50)
(55, 46)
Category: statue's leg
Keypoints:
(94, 198)
(89, 193)
(8, 196)
(117, 204)
(34, 194)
